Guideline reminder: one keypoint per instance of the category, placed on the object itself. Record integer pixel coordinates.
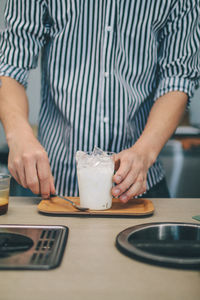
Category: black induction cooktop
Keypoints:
(169, 244)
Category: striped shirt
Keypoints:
(103, 63)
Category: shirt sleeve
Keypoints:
(22, 38)
(179, 50)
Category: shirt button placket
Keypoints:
(108, 28)
(106, 56)
(104, 118)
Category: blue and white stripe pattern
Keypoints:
(104, 63)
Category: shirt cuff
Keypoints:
(19, 74)
(175, 84)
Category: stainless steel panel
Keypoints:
(45, 253)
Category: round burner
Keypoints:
(166, 244)
(10, 243)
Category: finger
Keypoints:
(45, 176)
(138, 188)
(123, 169)
(20, 172)
(125, 184)
(52, 186)
(32, 180)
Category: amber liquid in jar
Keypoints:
(4, 196)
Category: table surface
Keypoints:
(92, 267)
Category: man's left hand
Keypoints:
(131, 174)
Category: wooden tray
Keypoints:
(135, 207)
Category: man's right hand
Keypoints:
(28, 163)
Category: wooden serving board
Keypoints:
(135, 207)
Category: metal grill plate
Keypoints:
(46, 252)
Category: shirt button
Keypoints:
(105, 119)
(106, 74)
(108, 28)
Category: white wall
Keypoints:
(33, 92)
